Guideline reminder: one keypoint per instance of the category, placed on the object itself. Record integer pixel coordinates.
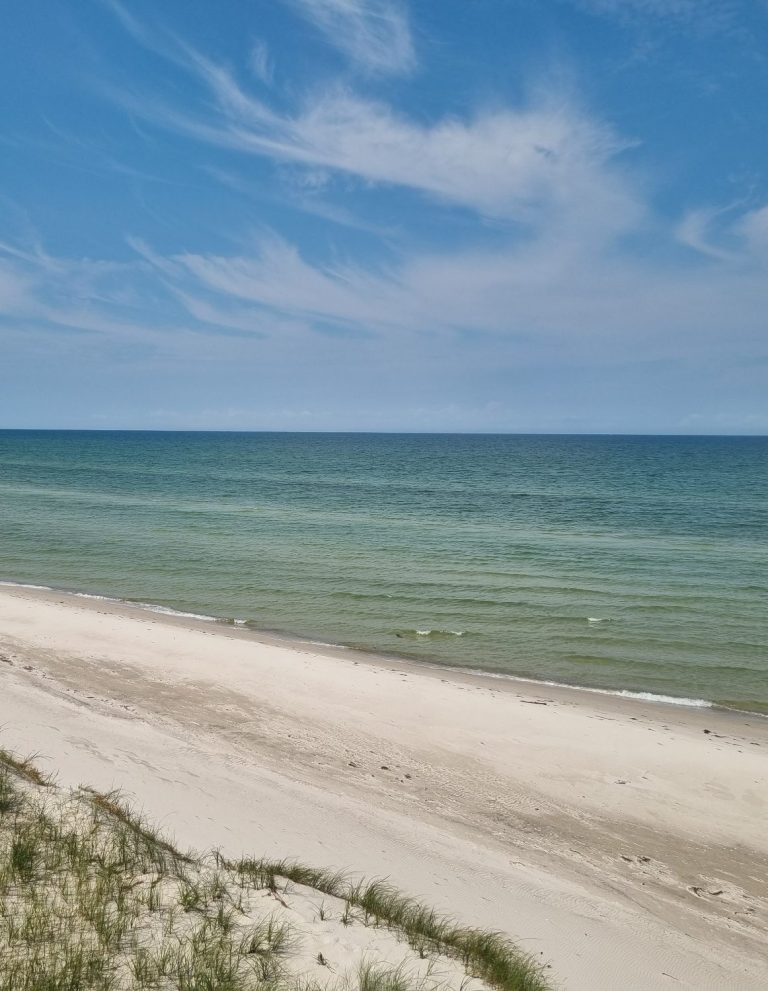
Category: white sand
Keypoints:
(615, 838)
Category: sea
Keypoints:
(624, 564)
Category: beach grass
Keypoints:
(93, 896)
(488, 955)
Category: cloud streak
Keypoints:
(522, 165)
(709, 14)
(527, 300)
(547, 162)
(261, 63)
(374, 34)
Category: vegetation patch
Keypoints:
(92, 896)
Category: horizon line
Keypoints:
(378, 433)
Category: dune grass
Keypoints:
(24, 767)
(92, 896)
(488, 955)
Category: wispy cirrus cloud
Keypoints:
(299, 193)
(374, 34)
(58, 307)
(39, 289)
(508, 258)
(531, 299)
(696, 232)
(549, 168)
(261, 62)
(527, 164)
(703, 18)
(535, 297)
(517, 164)
(703, 11)
(753, 227)
(130, 23)
(272, 307)
(727, 234)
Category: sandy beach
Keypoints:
(623, 842)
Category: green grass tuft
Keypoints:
(94, 898)
(24, 767)
(489, 956)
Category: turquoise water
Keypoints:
(620, 563)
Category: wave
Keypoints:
(150, 607)
(430, 633)
(40, 588)
(693, 703)
(167, 611)
(135, 603)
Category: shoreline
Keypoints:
(614, 836)
(280, 638)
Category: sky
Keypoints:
(464, 215)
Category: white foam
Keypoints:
(149, 606)
(167, 611)
(427, 633)
(596, 619)
(40, 588)
(98, 598)
(652, 697)
(616, 693)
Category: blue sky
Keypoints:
(475, 215)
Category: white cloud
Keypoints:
(657, 8)
(695, 231)
(251, 321)
(300, 189)
(433, 325)
(705, 13)
(532, 164)
(108, 300)
(261, 62)
(374, 34)
(279, 278)
(526, 165)
(527, 304)
(753, 227)
(742, 239)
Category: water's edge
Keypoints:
(292, 640)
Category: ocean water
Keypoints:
(633, 564)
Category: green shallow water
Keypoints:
(619, 563)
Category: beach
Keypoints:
(384, 496)
(621, 841)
